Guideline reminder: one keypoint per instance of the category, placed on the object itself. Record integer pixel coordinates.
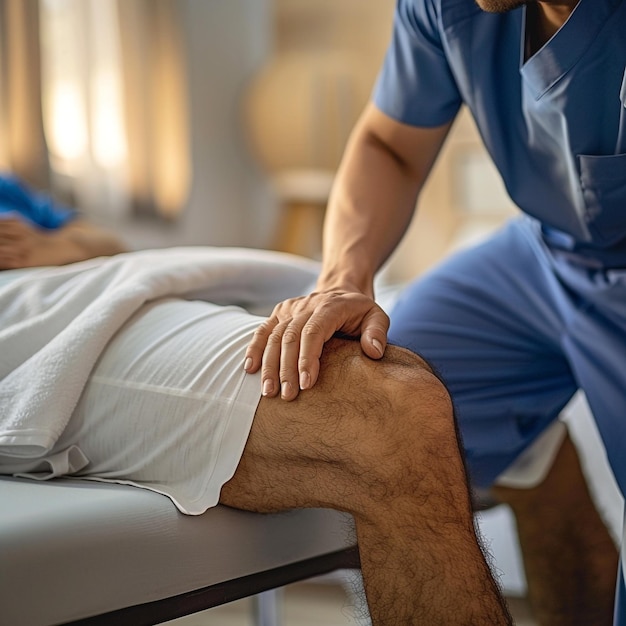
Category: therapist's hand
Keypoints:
(288, 345)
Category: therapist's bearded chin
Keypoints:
(500, 6)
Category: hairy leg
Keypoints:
(569, 556)
(378, 439)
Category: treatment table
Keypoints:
(89, 553)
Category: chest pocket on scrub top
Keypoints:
(603, 184)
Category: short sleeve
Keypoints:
(37, 208)
(415, 85)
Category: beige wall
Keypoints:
(350, 25)
(306, 99)
(315, 45)
(340, 44)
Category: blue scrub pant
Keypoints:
(514, 329)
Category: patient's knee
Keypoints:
(367, 432)
(397, 413)
(401, 382)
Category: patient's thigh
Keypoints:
(168, 405)
(192, 346)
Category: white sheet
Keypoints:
(55, 322)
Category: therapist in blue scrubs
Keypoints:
(518, 324)
(36, 231)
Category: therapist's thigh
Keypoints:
(486, 320)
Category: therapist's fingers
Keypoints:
(279, 365)
(354, 315)
(283, 313)
(289, 353)
(288, 346)
(315, 333)
(256, 347)
(351, 313)
(271, 364)
(294, 338)
(374, 329)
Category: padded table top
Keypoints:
(70, 549)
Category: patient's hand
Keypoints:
(23, 244)
(19, 242)
(287, 347)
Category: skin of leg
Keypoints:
(378, 439)
(491, 320)
(570, 559)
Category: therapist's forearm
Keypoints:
(369, 210)
(373, 199)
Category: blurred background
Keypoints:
(222, 122)
(184, 122)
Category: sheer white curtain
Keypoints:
(156, 104)
(83, 101)
(115, 103)
(94, 93)
(22, 145)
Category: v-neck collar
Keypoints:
(559, 54)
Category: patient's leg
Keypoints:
(378, 439)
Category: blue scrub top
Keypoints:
(555, 124)
(19, 201)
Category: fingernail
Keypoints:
(285, 390)
(268, 387)
(248, 364)
(378, 346)
(305, 380)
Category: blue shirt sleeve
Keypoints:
(416, 85)
(39, 209)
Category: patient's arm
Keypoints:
(24, 245)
